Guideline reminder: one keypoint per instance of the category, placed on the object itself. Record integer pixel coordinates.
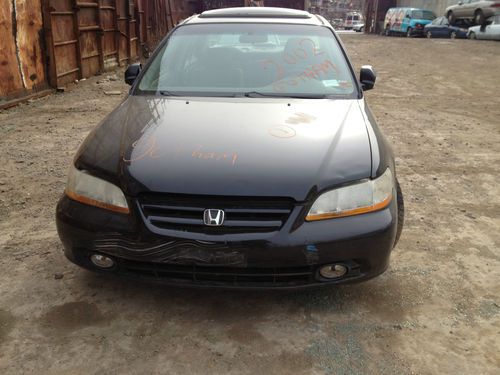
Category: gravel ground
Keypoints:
(436, 310)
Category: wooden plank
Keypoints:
(117, 34)
(76, 27)
(86, 5)
(95, 54)
(100, 35)
(35, 95)
(10, 73)
(31, 56)
(61, 13)
(47, 12)
(89, 28)
(65, 43)
(67, 72)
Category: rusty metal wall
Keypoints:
(22, 69)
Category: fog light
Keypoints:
(333, 271)
(102, 261)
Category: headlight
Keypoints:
(366, 196)
(87, 189)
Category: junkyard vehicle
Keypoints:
(337, 23)
(441, 28)
(238, 167)
(351, 19)
(490, 31)
(359, 27)
(407, 21)
(477, 11)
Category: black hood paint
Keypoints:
(230, 146)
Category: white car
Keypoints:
(491, 31)
(359, 27)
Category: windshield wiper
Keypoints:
(198, 94)
(256, 94)
(167, 93)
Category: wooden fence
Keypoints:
(50, 43)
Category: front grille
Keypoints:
(242, 214)
(221, 276)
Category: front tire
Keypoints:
(409, 32)
(429, 34)
(472, 35)
(453, 35)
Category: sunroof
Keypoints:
(255, 12)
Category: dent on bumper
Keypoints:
(288, 258)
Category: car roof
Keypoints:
(257, 14)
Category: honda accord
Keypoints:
(244, 156)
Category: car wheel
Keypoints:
(472, 35)
(478, 17)
(451, 17)
(429, 34)
(362, 29)
(401, 213)
(387, 32)
(453, 35)
(409, 32)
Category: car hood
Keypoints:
(230, 146)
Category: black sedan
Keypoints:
(245, 156)
(441, 28)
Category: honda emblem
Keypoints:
(213, 218)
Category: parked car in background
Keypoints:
(478, 11)
(491, 31)
(337, 23)
(408, 21)
(441, 28)
(359, 27)
(351, 19)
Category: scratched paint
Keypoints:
(282, 131)
(202, 154)
(314, 71)
(148, 148)
(300, 118)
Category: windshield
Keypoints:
(423, 15)
(250, 59)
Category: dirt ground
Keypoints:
(436, 310)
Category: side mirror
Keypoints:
(132, 72)
(367, 77)
(460, 3)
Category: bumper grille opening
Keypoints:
(242, 214)
(221, 276)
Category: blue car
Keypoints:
(441, 28)
(407, 21)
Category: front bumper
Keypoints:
(288, 258)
